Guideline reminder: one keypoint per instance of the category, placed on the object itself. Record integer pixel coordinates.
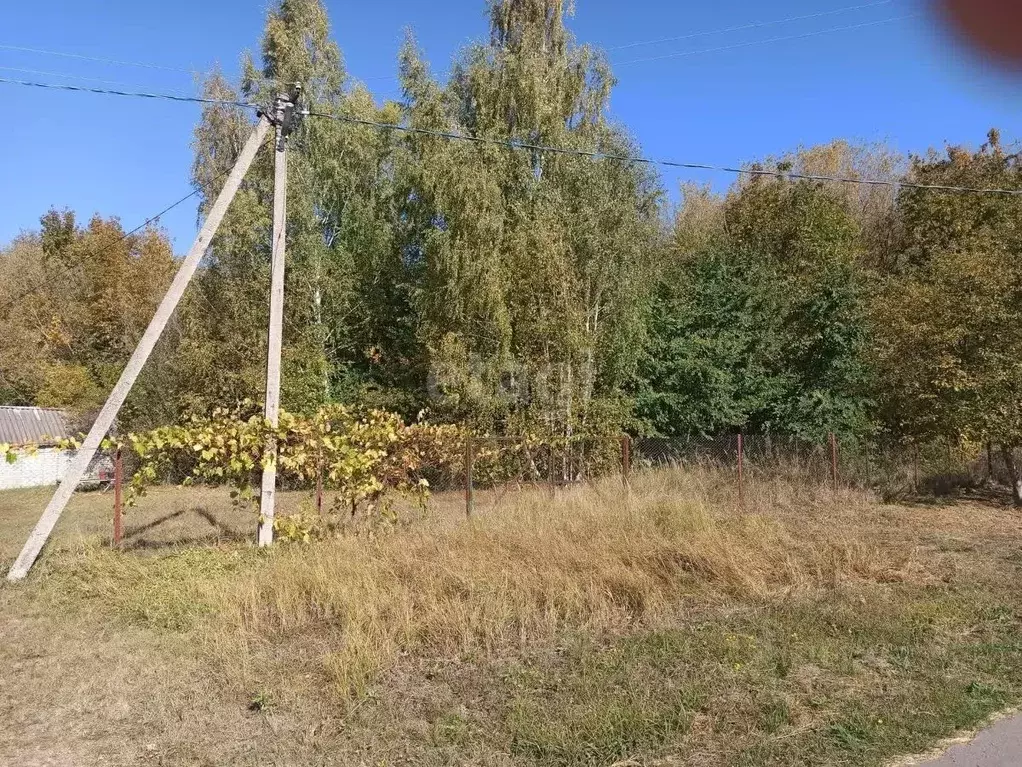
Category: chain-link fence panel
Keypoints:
(932, 469)
(499, 467)
(672, 452)
(489, 473)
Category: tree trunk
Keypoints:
(1014, 475)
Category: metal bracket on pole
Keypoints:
(108, 414)
(285, 114)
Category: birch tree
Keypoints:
(534, 264)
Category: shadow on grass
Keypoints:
(134, 532)
(223, 531)
(218, 533)
(937, 494)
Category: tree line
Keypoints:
(528, 291)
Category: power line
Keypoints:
(521, 145)
(135, 94)
(783, 39)
(67, 76)
(597, 155)
(743, 27)
(101, 60)
(754, 25)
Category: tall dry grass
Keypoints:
(666, 621)
(594, 559)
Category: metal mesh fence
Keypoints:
(498, 467)
(493, 470)
(893, 471)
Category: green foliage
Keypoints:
(297, 528)
(714, 338)
(523, 292)
(346, 326)
(363, 458)
(64, 384)
(761, 326)
(76, 300)
(534, 267)
(946, 344)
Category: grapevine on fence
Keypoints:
(362, 458)
(9, 453)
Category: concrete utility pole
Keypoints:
(284, 110)
(108, 414)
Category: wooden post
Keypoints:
(118, 482)
(626, 459)
(833, 460)
(915, 468)
(470, 495)
(108, 414)
(990, 460)
(267, 500)
(741, 471)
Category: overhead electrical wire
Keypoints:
(739, 28)
(598, 155)
(678, 38)
(134, 94)
(706, 33)
(99, 59)
(526, 146)
(767, 41)
(753, 25)
(66, 76)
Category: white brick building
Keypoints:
(34, 426)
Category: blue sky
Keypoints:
(887, 74)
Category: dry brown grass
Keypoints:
(313, 635)
(594, 560)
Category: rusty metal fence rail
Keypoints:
(494, 469)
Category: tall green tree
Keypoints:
(760, 323)
(715, 338)
(534, 265)
(947, 348)
(339, 226)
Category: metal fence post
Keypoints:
(626, 459)
(470, 500)
(833, 460)
(118, 508)
(741, 471)
(551, 475)
(319, 483)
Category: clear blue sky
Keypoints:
(901, 82)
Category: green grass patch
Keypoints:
(835, 682)
(169, 592)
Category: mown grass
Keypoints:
(821, 683)
(658, 626)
